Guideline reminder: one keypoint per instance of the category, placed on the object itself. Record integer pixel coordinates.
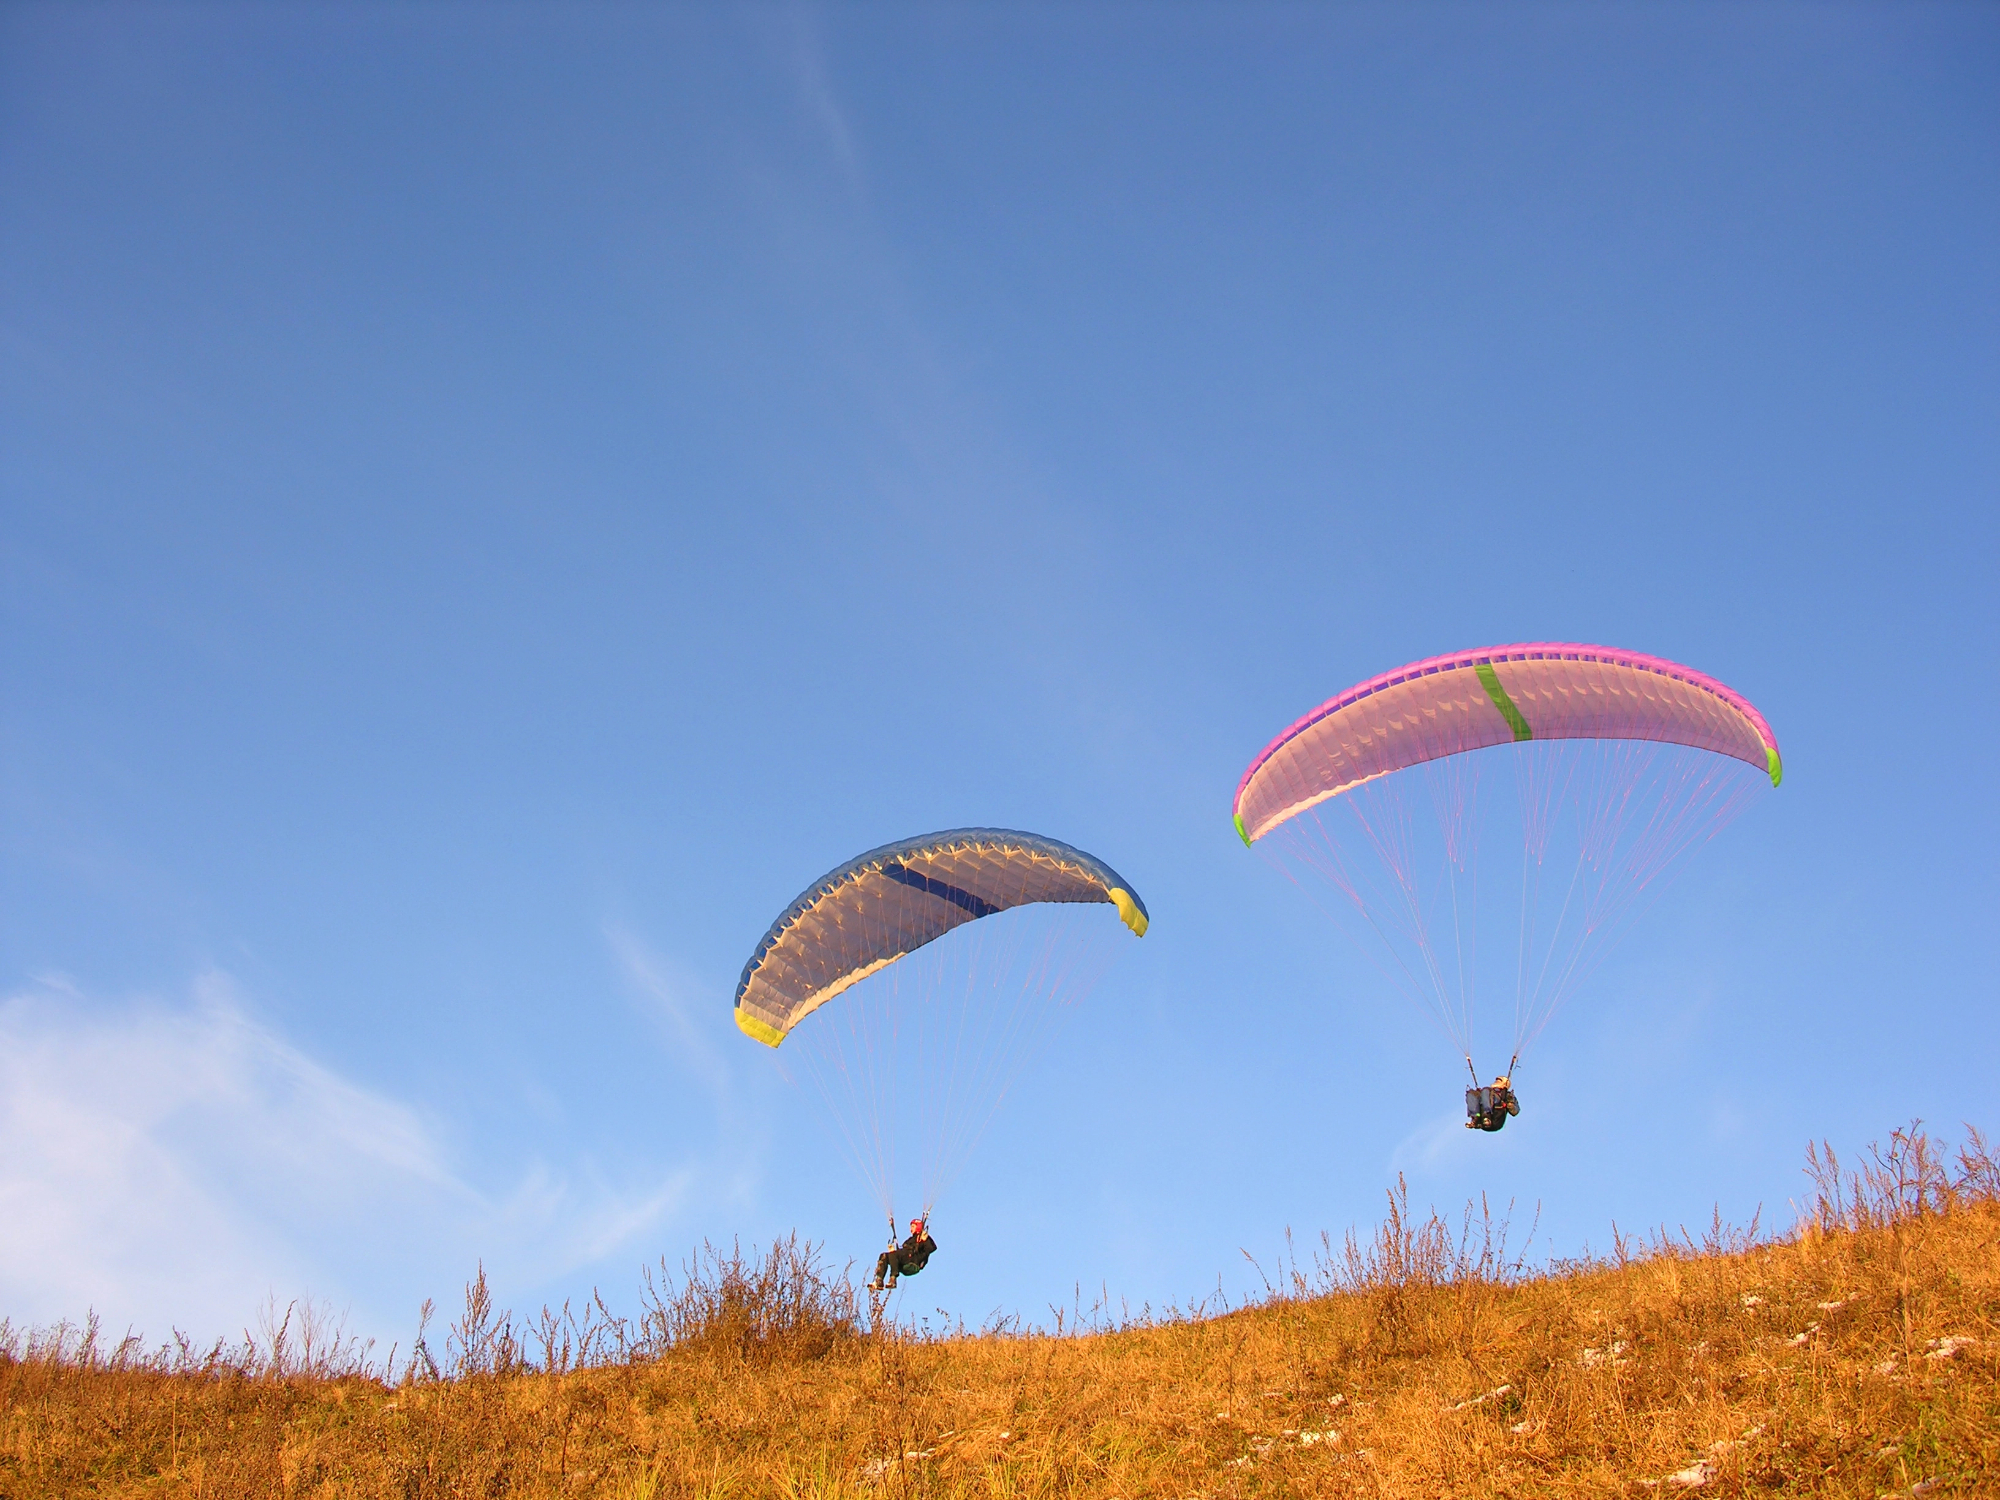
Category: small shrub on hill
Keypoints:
(784, 1306)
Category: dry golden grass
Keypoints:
(1856, 1356)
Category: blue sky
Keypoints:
(496, 499)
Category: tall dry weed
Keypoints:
(1910, 1177)
(785, 1305)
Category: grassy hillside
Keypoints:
(1857, 1355)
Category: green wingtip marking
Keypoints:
(1777, 766)
(1241, 832)
(1490, 680)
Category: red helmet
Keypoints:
(916, 1226)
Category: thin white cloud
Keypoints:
(667, 997)
(805, 53)
(1439, 1142)
(174, 1165)
(685, 1015)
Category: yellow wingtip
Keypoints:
(750, 1026)
(1128, 911)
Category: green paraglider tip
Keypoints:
(1777, 766)
(1242, 832)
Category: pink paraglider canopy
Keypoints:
(1472, 699)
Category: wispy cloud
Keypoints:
(1438, 1143)
(805, 56)
(173, 1164)
(668, 999)
(682, 1012)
